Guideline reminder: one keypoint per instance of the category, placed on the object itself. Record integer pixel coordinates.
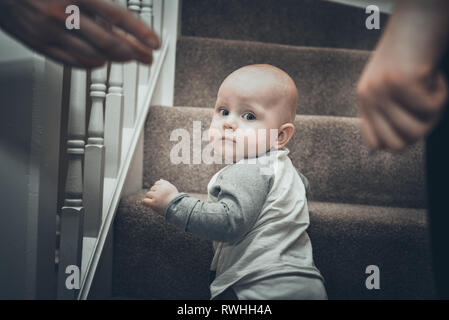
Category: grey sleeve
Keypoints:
(241, 191)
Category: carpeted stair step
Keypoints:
(155, 260)
(329, 151)
(326, 78)
(291, 22)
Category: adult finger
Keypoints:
(406, 124)
(78, 48)
(424, 98)
(114, 45)
(386, 135)
(366, 127)
(124, 19)
(60, 55)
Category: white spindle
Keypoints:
(71, 232)
(95, 155)
(158, 19)
(130, 84)
(123, 3)
(134, 6)
(158, 13)
(114, 121)
(146, 15)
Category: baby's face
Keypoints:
(247, 116)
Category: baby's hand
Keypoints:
(160, 195)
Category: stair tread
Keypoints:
(158, 261)
(391, 216)
(326, 78)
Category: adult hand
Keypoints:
(41, 25)
(401, 91)
(397, 106)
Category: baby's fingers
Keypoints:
(147, 201)
(150, 194)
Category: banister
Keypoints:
(115, 186)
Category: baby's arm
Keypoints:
(241, 191)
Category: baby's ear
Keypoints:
(285, 134)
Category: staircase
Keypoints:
(365, 209)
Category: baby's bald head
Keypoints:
(256, 106)
(277, 87)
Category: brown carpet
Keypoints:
(328, 150)
(294, 22)
(154, 260)
(365, 209)
(326, 78)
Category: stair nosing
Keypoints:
(286, 46)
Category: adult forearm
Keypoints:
(420, 30)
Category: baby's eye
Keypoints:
(249, 116)
(223, 112)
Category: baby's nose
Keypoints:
(230, 124)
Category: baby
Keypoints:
(257, 219)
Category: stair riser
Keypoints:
(155, 260)
(292, 22)
(326, 79)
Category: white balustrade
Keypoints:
(146, 15)
(158, 13)
(94, 159)
(131, 76)
(114, 121)
(122, 3)
(113, 136)
(72, 214)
